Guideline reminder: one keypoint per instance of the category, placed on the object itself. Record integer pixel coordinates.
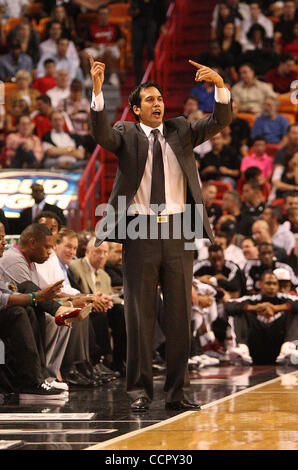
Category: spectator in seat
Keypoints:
(254, 173)
(282, 76)
(62, 60)
(23, 149)
(216, 58)
(261, 233)
(290, 147)
(14, 61)
(258, 158)
(104, 40)
(20, 330)
(265, 325)
(290, 202)
(113, 266)
(256, 17)
(28, 37)
(221, 163)
(255, 38)
(190, 105)
(254, 269)
(41, 117)
(228, 42)
(218, 272)
(209, 191)
(225, 16)
(283, 30)
(62, 90)
(225, 239)
(249, 248)
(49, 48)
(62, 149)
(23, 91)
(19, 108)
(284, 281)
(88, 274)
(292, 216)
(292, 47)
(271, 125)
(28, 214)
(286, 178)
(280, 233)
(253, 201)
(60, 14)
(76, 110)
(250, 92)
(48, 80)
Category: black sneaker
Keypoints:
(41, 392)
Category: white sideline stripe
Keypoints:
(183, 415)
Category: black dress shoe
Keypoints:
(74, 378)
(182, 405)
(140, 404)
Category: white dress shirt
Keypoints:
(175, 182)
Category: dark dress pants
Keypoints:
(146, 264)
(22, 355)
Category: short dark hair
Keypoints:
(247, 64)
(45, 99)
(66, 232)
(259, 137)
(253, 28)
(253, 184)
(264, 273)
(191, 97)
(251, 239)
(135, 98)
(215, 248)
(236, 196)
(252, 172)
(48, 215)
(36, 231)
(285, 57)
(293, 193)
(276, 212)
(48, 61)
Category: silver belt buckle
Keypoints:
(161, 219)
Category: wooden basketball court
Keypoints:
(262, 417)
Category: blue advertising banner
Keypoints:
(15, 189)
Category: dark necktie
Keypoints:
(158, 196)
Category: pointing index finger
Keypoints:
(195, 64)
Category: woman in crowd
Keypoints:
(286, 178)
(23, 90)
(23, 149)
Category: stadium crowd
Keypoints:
(245, 286)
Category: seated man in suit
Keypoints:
(88, 275)
(113, 266)
(28, 215)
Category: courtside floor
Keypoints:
(245, 408)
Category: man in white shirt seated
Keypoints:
(62, 60)
(62, 149)
(62, 90)
(49, 47)
(256, 16)
(280, 233)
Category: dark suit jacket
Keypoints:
(26, 215)
(130, 144)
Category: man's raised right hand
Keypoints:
(97, 71)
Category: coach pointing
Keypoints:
(157, 176)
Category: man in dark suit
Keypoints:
(156, 171)
(28, 215)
